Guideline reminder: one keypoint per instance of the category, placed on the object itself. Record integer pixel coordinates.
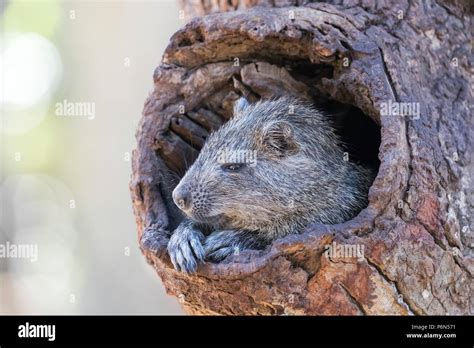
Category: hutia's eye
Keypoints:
(232, 167)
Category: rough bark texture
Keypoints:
(417, 228)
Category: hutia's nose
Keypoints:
(182, 198)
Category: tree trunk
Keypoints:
(417, 229)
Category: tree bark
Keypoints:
(417, 229)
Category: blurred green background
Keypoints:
(64, 175)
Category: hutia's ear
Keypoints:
(240, 105)
(278, 139)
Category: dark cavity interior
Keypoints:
(360, 135)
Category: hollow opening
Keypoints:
(359, 133)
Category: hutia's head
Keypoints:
(247, 169)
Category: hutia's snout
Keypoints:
(182, 198)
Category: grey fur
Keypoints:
(299, 177)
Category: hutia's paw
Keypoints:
(185, 249)
(219, 245)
